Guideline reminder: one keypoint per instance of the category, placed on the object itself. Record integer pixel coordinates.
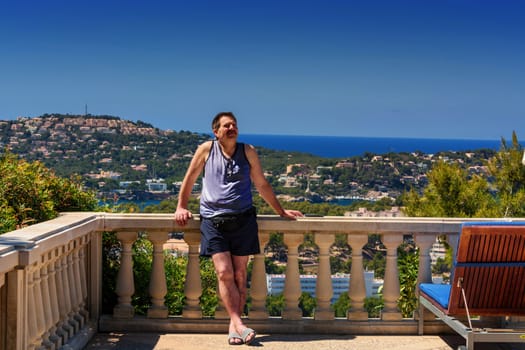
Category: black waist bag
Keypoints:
(232, 222)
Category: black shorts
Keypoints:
(237, 234)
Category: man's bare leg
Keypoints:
(230, 270)
(240, 264)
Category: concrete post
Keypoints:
(258, 287)
(323, 289)
(292, 284)
(157, 286)
(193, 286)
(125, 283)
(357, 288)
(391, 291)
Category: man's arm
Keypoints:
(264, 188)
(182, 214)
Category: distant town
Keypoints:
(121, 159)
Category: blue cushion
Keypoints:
(440, 293)
(493, 223)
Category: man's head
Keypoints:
(224, 126)
(216, 122)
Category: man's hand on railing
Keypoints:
(182, 216)
(291, 214)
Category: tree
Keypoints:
(31, 193)
(272, 268)
(339, 265)
(377, 264)
(452, 192)
(508, 172)
(441, 266)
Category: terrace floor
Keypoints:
(157, 341)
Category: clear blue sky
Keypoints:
(433, 69)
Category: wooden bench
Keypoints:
(488, 280)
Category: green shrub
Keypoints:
(31, 193)
(275, 304)
(408, 265)
(341, 305)
(374, 305)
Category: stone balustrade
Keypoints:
(51, 278)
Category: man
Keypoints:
(228, 220)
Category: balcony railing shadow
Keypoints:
(51, 278)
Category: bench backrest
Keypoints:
(490, 264)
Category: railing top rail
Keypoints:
(4, 249)
(27, 236)
(273, 223)
(72, 223)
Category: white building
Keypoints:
(340, 284)
(156, 185)
(438, 250)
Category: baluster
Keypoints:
(32, 322)
(157, 286)
(47, 311)
(71, 327)
(391, 291)
(292, 284)
(75, 270)
(258, 286)
(39, 307)
(424, 243)
(357, 287)
(72, 289)
(67, 324)
(125, 282)
(193, 286)
(63, 328)
(323, 288)
(55, 336)
(83, 278)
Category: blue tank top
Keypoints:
(226, 184)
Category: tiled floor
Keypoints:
(150, 341)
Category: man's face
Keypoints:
(227, 128)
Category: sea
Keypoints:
(349, 146)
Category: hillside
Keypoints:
(72, 144)
(108, 147)
(107, 151)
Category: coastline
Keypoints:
(350, 146)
